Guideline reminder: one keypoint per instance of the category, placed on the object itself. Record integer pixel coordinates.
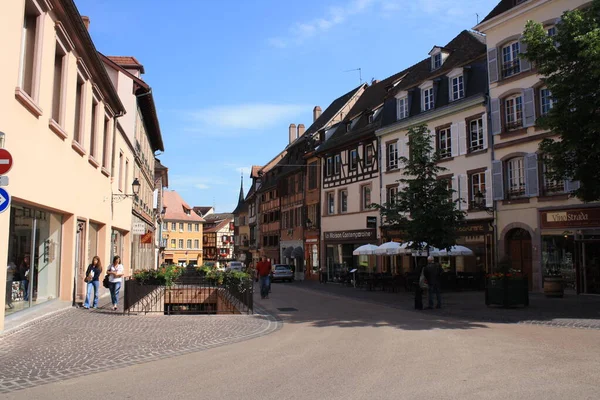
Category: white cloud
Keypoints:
(243, 117)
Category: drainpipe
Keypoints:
(495, 202)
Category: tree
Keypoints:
(423, 209)
(570, 64)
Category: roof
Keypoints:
(220, 225)
(177, 209)
(501, 7)
(201, 210)
(255, 170)
(218, 217)
(161, 170)
(128, 62)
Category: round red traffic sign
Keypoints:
(6, 161)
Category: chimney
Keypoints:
(301, 130)
(316, 113)
(86, 22)
(292, 132)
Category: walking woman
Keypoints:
(115, 277)
(91, 277)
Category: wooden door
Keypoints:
(519, 248)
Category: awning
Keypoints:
(298, 252)
(287, 253)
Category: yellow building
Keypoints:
(182, 231)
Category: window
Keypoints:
(94, 129)
(189, 243)
(329, 167)
(402, 108)
(476, 135)
(79, 107)
(551, 30)
(105, 143)
(313, 216)
(348, 126)
(458, 88)
(551, 186)
(126, 177)
(428, 103)
(57, 91)
(515, 171)
(437, 61)
(510, 60)
(392, 194)
(337, 166)
(29, 48)
(369, 155)
(189, 227)
(120, 172)
(196, 244)
(173, 226)
(513, 110)
(181, 243)
(312, 175)
(173, 243)
(392, 155)
(353, 159)
(546, 102)
(330, 203)
(343, 201)
(371, 117)
(205, 239)
(477, 182)
(197, 227)
(181, 227)
(366, 197)
(165, 226)
(444, 142)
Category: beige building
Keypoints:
(446, 91)
(182, 231)
(58, 115)
(538, 225)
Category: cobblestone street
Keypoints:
(79, 342)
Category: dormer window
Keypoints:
(371, 118)
(437, 61)
(456, 84)
(438, 56)
(427, 96)
(348, 126)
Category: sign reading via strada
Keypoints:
(6, 161)
(4, 200)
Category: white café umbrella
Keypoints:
(389, 248)
(454, 251)
(404, 249)
(365, 250)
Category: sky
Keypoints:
(230, 76)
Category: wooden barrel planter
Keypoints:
(554, 286)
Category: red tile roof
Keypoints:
(127, 62)
(178, 209)
(219, 226)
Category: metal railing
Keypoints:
(190, 294)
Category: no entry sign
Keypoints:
(6, 161)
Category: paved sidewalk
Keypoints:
(79, 342)
(571, 311)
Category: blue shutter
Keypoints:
(528, 107)
(531, 175)
(497, 180)
(493, 65)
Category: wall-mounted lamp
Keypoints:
(2, 138)
(479, 203)
(135, 188)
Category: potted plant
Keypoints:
(554, 284)
(507, 287)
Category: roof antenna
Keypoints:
(214, 204)
(359, 73)
(477, 18)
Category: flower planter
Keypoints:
(507, 292)
(554, 286)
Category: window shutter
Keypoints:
(524, 63)
(558, 21)
(405, 149)
(496, 117)
(485, 131)
(409, 99)
(497, 180)
(528, 107)
(489, 201)
(493, 65)
(455, 190)
(464, 192)
(571, 186)
(531, 175)
(454, 139)
(432, 140)
(462, 138)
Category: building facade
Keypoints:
(447, 92)
(183, 232)
(539, 225)
(218, 238)
(161, 182)
(241, 234)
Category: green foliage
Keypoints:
(570, 62)
(165, 275)
(423, 209)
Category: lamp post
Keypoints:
(135, 188)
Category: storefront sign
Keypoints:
(474, 229)
(361, 235)
(138, 228)
(146, 238)
(576, 218)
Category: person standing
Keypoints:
(25, 273)
(419, 270)
(92, 276)
(323, 274)
(263, 271)
(11, 270)
(433, 274)
(115, 272)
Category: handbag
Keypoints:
(422, 280)
(105, 281)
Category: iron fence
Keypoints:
(189, 295)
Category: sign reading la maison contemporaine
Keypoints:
(575, 218)
(351, 236)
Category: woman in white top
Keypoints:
(115, 278)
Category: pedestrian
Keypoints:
(92, 276)
(263, 271)
(433, 274)
(25, 273)
(11, 269)
(323, 274)
(115, 273)
(419, 270)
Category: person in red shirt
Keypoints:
(263, 269)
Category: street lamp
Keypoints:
(135, 188)
(479, 203)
